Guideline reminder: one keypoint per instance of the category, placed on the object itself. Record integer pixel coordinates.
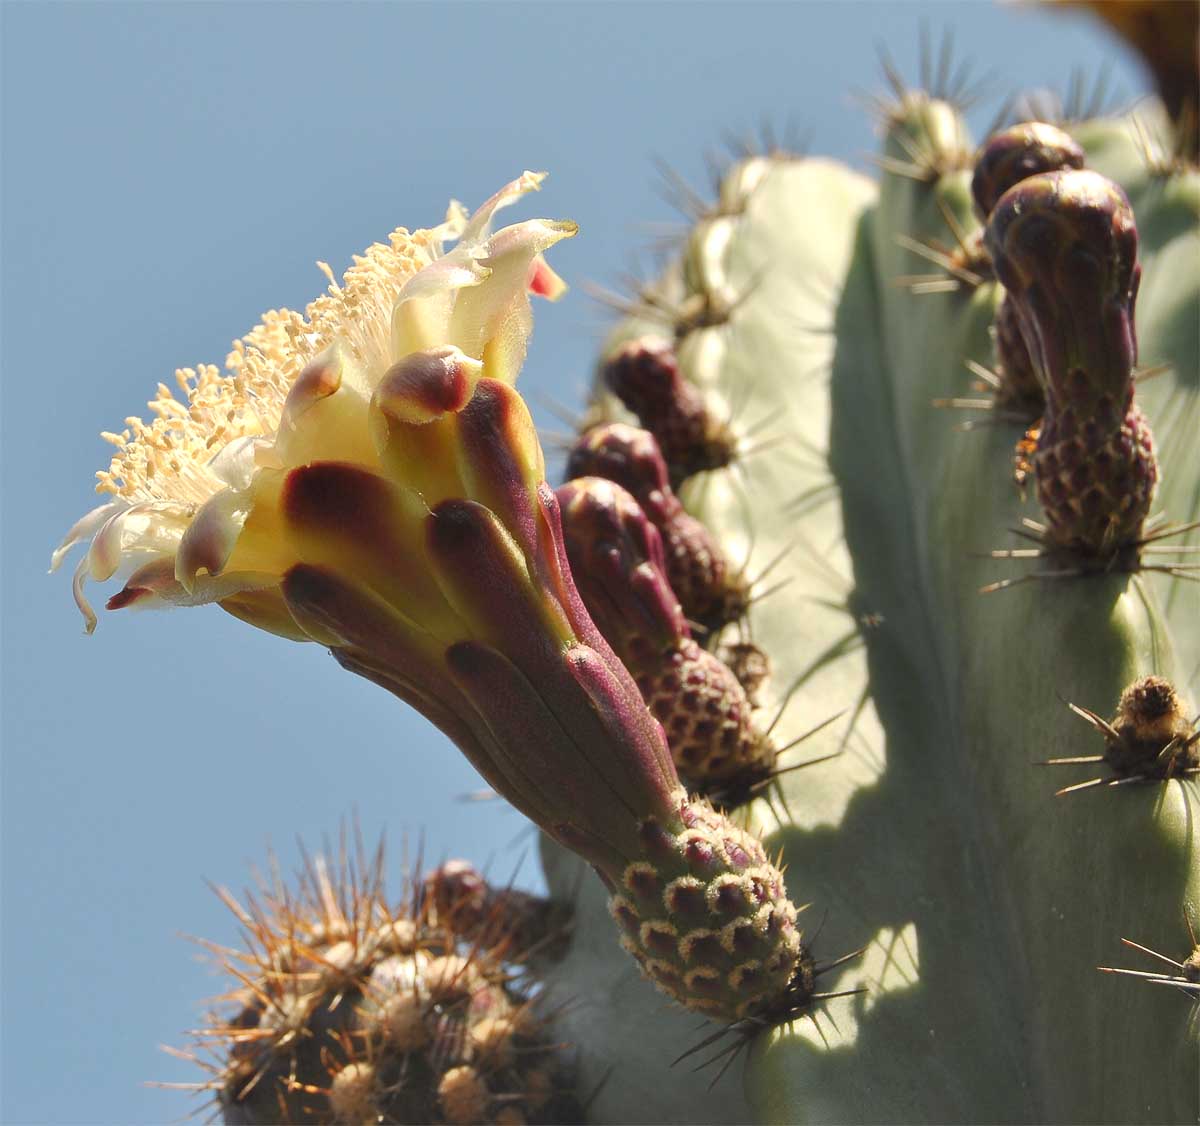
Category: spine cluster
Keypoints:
(349, 1010)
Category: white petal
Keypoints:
(501, 306)
(421, 315)
(451, 227)
(235, 464)
(480, 225)
(85, 607)
(325, 416)
(84, 528)
(211, 537)
(150, 527)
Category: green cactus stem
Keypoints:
(988, 902)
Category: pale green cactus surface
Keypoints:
(983, 901)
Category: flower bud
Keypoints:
(709, 591)
(645, 376)
(1065, 248)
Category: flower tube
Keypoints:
(390, 503)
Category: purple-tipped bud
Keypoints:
(1016, 153)
(617, 562)
(1065, 247)
(708, 589)
(1010, 156)
(616, 558)
(644, 374)
(459, 599)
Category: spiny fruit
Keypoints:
(348, 1008)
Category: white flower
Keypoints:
(192, 517)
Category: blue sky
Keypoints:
(170, 171)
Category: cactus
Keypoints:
(378, 488)
(985, 900)
(348, 1008)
